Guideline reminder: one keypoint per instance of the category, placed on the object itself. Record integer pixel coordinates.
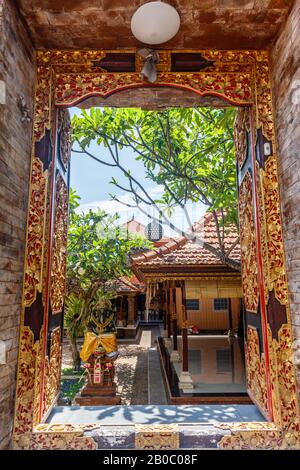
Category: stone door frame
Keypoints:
(65, 78)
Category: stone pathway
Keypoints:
(138, 373)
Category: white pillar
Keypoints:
(186, 382)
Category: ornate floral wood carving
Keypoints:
(56, 437)
(156, 436)
(52, 371)
(283, 378)
(263, 234)
(277, 276)
(43, 102)
(262, 438)
(35, 233)
(258, 63)
(47, 232)
(39, 348)
(72, 88)
(65, 136)
(59, 250)
(241, 127)
(285, 385)
(248, 245)
(69, 57)
(284, 432)
(164, 64)
(256, 370)
(27, 384)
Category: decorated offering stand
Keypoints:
(100, 388)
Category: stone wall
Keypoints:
(17, 71)
(286, 94)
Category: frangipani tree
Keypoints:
(98, 251)
(189, 152)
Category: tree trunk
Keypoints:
(75, 354)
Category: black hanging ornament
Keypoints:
(154, 231)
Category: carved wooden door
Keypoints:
(256, 347)
(264, 305)
(45, 274)
(56, 269)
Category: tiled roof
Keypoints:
(182, 251)
(125, 284)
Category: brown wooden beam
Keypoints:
(185, 348)
(230, 314)
(168, 311)
(188, 62)
(117, 62)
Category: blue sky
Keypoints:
(91, 180)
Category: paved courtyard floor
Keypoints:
(140, 385)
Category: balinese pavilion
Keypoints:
(202, 301)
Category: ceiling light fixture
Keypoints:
(155, 23)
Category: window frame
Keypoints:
(193, 309)
(229, 363)
(220, 309)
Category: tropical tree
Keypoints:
(98, 251)
(188, 152)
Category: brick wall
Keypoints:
(17, 71)
(286, 94)
(154, 98)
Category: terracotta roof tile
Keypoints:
(185, 252)
(125, 284)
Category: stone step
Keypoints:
(97, 401)
(94, 391)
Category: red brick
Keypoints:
(17, 69)
(285, 72)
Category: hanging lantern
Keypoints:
(154, 231)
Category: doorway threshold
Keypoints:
(179, 427)
(154, 414)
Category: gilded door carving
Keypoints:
(239, 77)
(45, 275)
(267, 332)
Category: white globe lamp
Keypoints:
(155, 23)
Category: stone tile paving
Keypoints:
(153, 414)
(132, 374)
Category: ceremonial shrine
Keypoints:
(100, 388)
(54, 57)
